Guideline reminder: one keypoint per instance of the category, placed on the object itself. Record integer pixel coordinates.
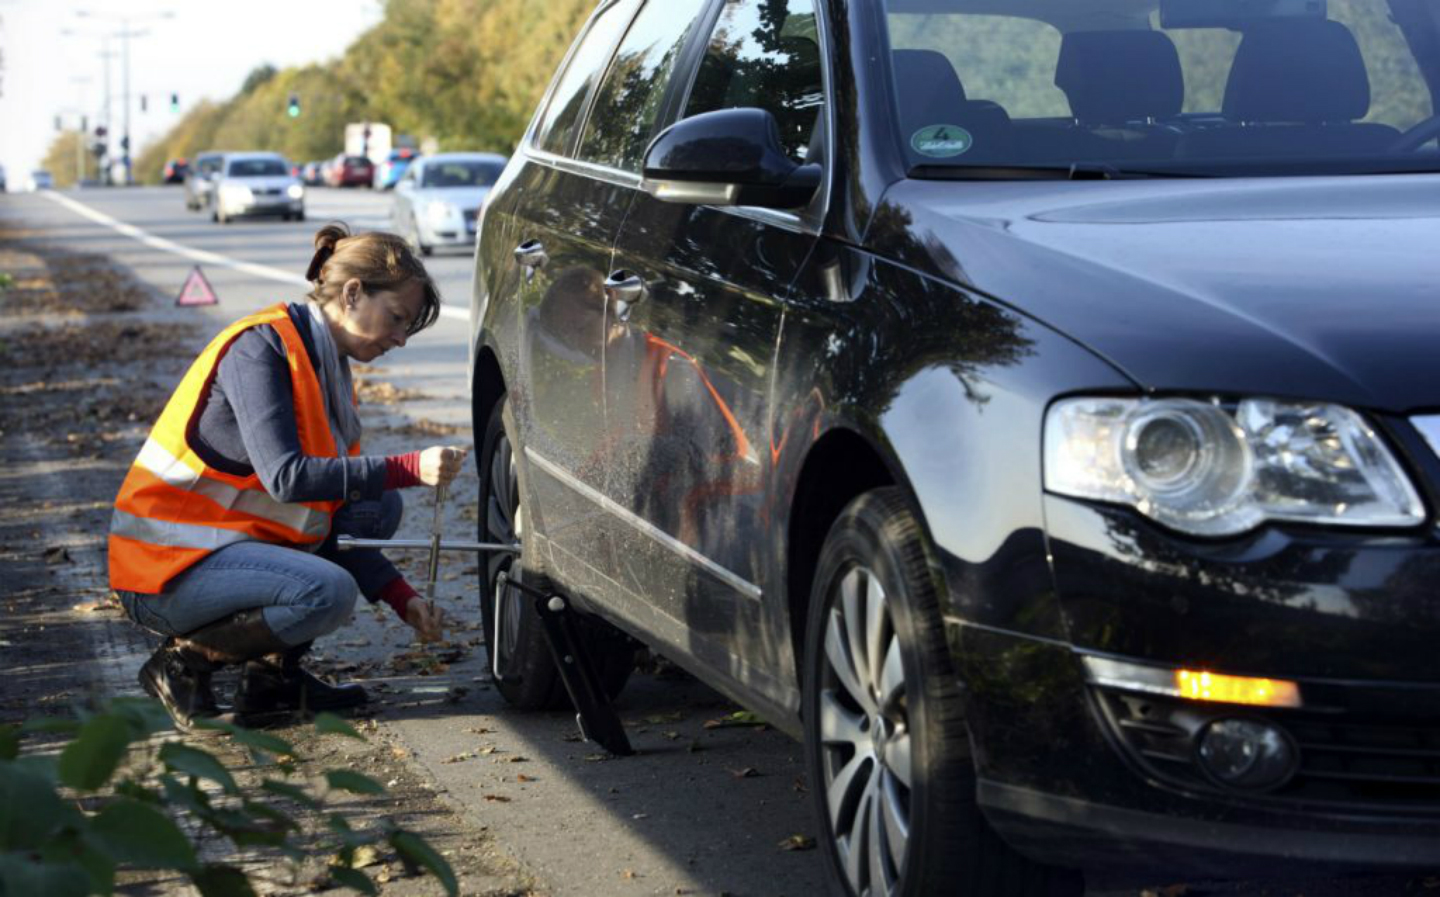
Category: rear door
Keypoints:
(564, 225)
(688, 361)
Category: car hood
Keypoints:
(1302, 287)
(464, 198)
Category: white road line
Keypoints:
(202, 256)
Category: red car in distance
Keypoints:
(350, 171)
(175, 171)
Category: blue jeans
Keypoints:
(304, 595)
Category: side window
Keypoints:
(630, 95)
(765, 54)
(567, 101)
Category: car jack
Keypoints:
(596, 717)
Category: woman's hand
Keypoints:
(440, 464)
(427, 620)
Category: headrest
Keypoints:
(929, 91)
(1120, 76)
(1301, 70)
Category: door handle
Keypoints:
(624, 288)
(531, 256)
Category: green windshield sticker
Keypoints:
(942, 140)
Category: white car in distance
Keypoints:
(253, 184)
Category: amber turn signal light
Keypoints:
(1200, 685)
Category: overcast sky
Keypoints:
(203, 52)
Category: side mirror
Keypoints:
(730, 157)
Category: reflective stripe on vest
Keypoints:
(257, 503)
(173, 509)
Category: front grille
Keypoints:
(267, 191)
(1356, 761)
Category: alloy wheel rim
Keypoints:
(865, 744)
(503, 523)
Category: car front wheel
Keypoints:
(886, 743)
(528, 677)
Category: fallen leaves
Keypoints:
(738, 718)
(798, 842)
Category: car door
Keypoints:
(563, 228)
(697, 303)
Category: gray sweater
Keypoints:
(247, 424)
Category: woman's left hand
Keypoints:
(427, 619)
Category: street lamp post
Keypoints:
(125, 33)
(106, 54)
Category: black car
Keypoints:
(1034, 406)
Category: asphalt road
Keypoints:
(700, 810)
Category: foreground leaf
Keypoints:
(414, 849)
(20, 876)
(30, 810)
(90, 760)
(330, 724)
(140, 835)
(293, 792)
(354, 782)
(197, 763)
(217, 880)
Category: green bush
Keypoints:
(115, 798)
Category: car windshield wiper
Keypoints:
(1079, 171)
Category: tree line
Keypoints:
(468, 73)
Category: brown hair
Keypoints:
(380, 261)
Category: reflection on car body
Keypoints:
(1033, 409)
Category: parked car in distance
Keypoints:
(175, 171)
(39, 179)
(350, 171)
(438, 200)
(392, 167)
(199, 180)
(1033, 410)
(254, 184)
(312, 173)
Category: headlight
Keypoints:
(441, 211)
(1204, 469)
(295, 191)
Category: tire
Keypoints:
(876, 595)
(529, 679)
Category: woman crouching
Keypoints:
(223, 536)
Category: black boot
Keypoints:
(180, 679)
(277, 682)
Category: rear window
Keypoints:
(461, 174)
(257, 168)
(356, 160)
(1209, 87)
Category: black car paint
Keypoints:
(917, 335)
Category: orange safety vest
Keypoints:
(174, 509)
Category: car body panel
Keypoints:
(928, 326)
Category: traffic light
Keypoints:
(174, 102)
(293, 109)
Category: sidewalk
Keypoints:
(87, 359)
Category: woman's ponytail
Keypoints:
(326, 239)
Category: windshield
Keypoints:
(1184, 87)
(257, 168)
(461, 174)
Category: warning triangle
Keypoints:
(197, 290)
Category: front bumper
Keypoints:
(453, 231)
(264, 205)
(1107, 779)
